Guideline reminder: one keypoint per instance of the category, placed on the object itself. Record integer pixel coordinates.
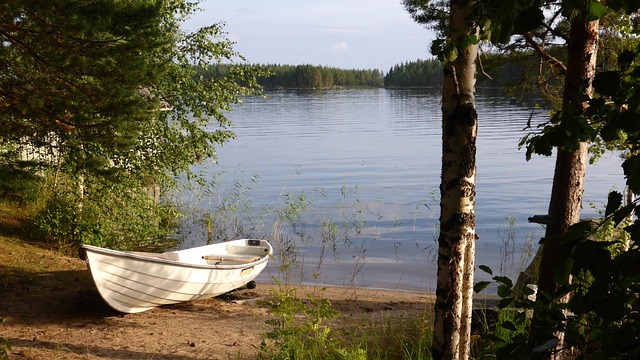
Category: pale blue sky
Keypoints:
(362, 34)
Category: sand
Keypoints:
(52, 310)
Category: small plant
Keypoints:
(507, 246)
(394, 337)
(5, 346)
(215, 210)
(300, 329)
(505, 333)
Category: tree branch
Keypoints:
(544, 55)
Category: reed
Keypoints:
(306, 326)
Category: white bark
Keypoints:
(452, 323)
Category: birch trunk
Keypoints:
(452, 323)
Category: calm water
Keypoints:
(369, 161)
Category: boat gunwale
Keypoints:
(151, 259)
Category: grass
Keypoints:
(390, 336)
(311, 327)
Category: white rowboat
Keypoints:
(132, 282)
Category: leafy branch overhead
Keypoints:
(111, 92)
(80, 77)
(543, 27)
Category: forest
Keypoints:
(416, 73)
(304, 76)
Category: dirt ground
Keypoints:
(52, 310)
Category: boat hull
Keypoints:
(133, 282)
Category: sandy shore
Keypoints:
(52, 310)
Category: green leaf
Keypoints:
(505, 302)
(479, 286)
(504, 291)
(509, 326)
(504, 280)
(596, 10)
(607, 83)
(449, 54)
(622, 213)
(625, 59)
(592, 256)
(631, 168)
(613, 203)
(528, 20)
(437, 47)
(492, 338)
(526, 290)
(486, 269)
(634, 231)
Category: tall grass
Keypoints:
(310, 328)
(219, 207)
(307, 326)
(391, 336)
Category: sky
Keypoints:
(347, 34)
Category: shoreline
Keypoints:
(337, 292)
(53, 310)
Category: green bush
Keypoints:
(601, 318)
(113, 215)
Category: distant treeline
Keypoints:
(307, 76)
(419, 73)
(497, 71)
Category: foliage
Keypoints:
(433, 14)
(601, 272)
(523, 24)
(302, 329)
(108, 92)
(19, 185)
(601, 318)
(500, 327)
(400, 337)
(299, 330)
(131, 219)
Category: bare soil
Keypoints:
(52, 310)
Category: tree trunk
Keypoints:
(452, 323)
(568, 179)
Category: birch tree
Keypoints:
(456, 242)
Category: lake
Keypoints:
(357, 173)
